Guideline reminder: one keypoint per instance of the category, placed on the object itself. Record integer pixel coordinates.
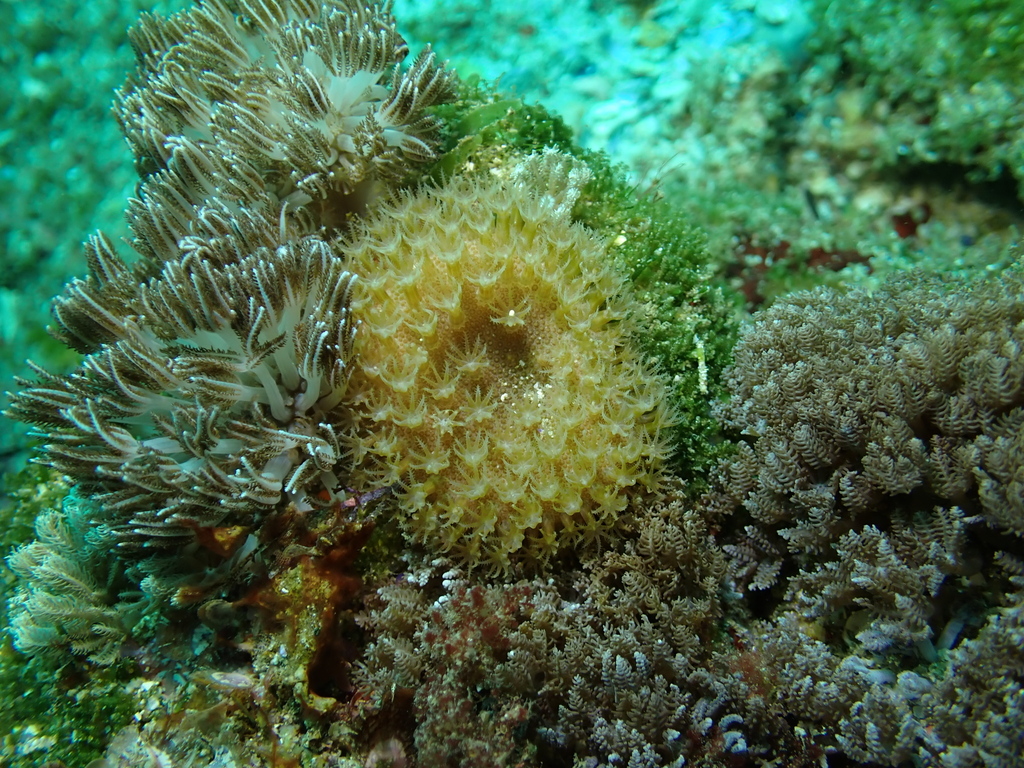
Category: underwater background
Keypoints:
(796, 227)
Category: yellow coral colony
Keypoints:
(495, 382)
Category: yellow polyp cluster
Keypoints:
(495, 383)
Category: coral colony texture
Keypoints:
(216, 362)
(405, 433)
(496, 382)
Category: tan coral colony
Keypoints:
(495, 382)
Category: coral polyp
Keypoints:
(496, 384)
(213, 396)
(309, 94)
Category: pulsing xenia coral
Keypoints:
(881, 427)
(495, 379)
(216, 363)
(310, 94)
(212, 396)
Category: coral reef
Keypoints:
(210, 429)
(687, 322)
(976, 706)
(495, 382)
(929, 73)
(368, 458)
(876, 427)
(48, 712)
(199, 405)
(310, 95)
(593, 662)
(216, 362)
(651, 655)
(66, 603)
